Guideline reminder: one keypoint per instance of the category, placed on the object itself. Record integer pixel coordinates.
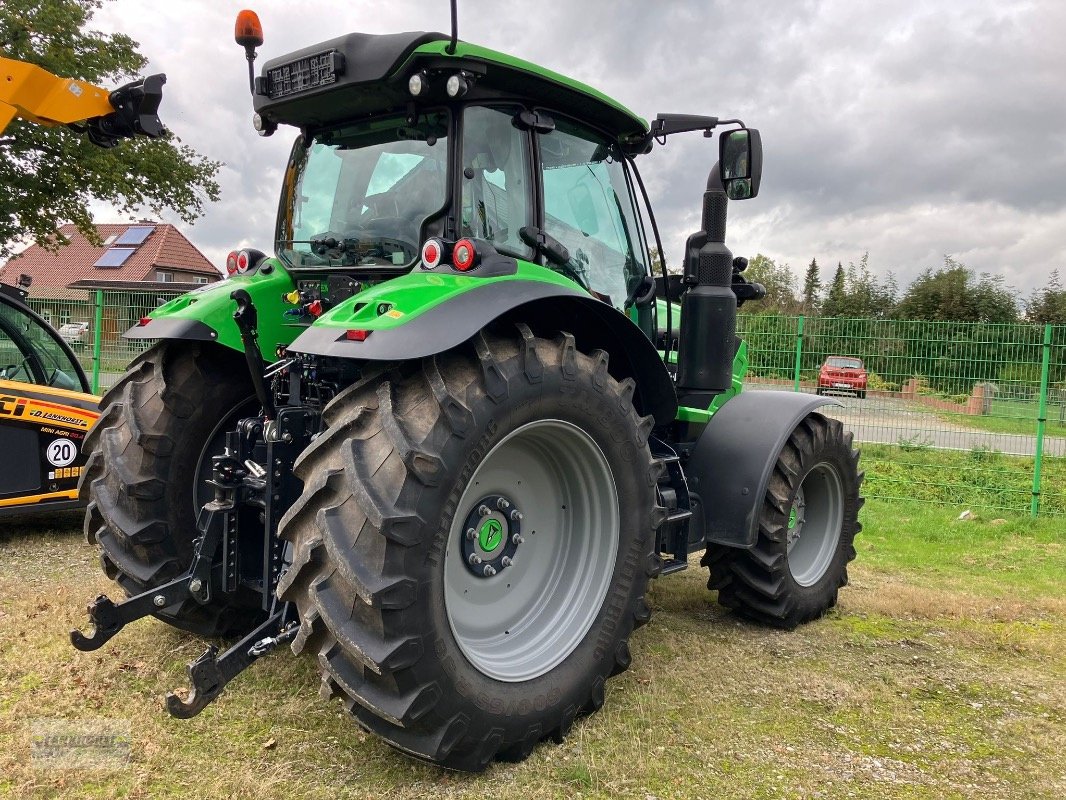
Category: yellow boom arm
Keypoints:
(32, 93)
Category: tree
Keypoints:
(836, 300)
(49, 175)
(812, 286)
(1048, 305)
(780, 283)
(956, 293)
(866, 296)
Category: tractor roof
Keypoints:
(361, 74)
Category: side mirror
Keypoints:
(740, 160)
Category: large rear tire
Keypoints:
(145, 477)
(473, 546)
(807, 528)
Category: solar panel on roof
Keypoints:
(134, 236)
(114, 257)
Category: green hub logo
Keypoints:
(490, 535)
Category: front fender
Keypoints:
(207, 314)
(733, 459)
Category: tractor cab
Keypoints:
(401, 143)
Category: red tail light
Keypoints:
(356, 335)
(432, 253)
(231, 263)
(464, 255)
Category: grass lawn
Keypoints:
(1011, 416)
(941, 674)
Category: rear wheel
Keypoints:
(473, 546)
(807, 527)
(145, 477)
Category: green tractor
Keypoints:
(442, 440)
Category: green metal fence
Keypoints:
(970, 415)
(101, 349)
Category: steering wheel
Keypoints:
(11, 370)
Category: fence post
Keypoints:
(799, 354)
(98, 324)
(1041, 420)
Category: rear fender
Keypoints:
(733, 459)
(422, 314)
(206, 314)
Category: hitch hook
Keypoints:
(105, 625)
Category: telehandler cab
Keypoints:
(443, 438)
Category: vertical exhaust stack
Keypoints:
(709, 308)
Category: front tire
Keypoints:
(806, 532)
(145, 477)
(447, 658)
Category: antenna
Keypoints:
(450, 49)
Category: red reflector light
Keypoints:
(356, 336)
(144, 321)
(464, 256)
(432, 253)
(231, 263)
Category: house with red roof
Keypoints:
(139, 266)
(131, 256)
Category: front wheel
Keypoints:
(473, 546)
(807, 527)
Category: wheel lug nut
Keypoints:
(474, 558)
(506, 561)
(489, 571)
(502, 504)
(484, 510)
(471, 534)
(517, 538)
(516, 515)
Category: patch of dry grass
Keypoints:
(920, 684)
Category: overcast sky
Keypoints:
(907, 129)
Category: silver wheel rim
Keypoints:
(814, 525)
(524, 619)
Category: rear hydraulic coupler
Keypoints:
(706, 345)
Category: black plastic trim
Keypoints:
(173, 328)
(731, 464)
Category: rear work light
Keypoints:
(464, 255)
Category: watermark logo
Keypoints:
(80, 744)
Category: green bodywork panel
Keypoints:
(212, 306)
(395, 303)
(383, 306)
(639, 125)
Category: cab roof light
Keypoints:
(418, 83)
(248, 32)
(457, 85)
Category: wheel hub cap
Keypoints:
(493, 535)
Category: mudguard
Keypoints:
(732, 461)
(206, 314)
(393, 322)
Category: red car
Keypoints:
(842, 374)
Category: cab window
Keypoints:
(30, 354)
(588, 207)
(496, 179)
